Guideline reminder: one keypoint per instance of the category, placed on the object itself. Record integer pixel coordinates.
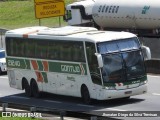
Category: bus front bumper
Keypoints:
(113, 94)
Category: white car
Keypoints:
(2, 61)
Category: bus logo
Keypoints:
(68, 68)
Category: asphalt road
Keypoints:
(146, 102)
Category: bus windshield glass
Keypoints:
(122, 60)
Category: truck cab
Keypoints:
(79, 13)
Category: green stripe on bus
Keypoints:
(40, 65)
(60, 67)
(16, 63)
(27, 62)
(44, 74)
(67, 68)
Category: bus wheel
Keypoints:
(27, 88)
(34, 89)
(85, 95)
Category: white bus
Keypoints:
(75, 61)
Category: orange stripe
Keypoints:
(45, 65)
(26, 34)
(39, 77)
(34, 64)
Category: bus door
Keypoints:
(93, 68)
(12, 80)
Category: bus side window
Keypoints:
(66, 51)
(74, 52)
(63, 46)
(14, 45)
(30, 48)
(54, 50)
(92, 63)
(78, 52)
(10, 50)
(50, 50)
(81, 53)
(20, 47)
(41, 49)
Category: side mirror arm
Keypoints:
(146, 52)
(99, 59)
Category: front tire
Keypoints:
(85, 95)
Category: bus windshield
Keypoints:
(122, 60)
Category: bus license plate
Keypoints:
(128, 92)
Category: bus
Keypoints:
(76, 61)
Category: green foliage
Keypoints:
(15, 14)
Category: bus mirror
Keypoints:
(146, 52)
(99, 59)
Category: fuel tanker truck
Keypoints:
(141, 17)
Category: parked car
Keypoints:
(2, 61)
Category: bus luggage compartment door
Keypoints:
(12, 80)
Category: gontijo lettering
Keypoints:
(68, 68)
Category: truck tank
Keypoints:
(141, 14)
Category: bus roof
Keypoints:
(69, 33)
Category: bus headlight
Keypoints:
(143, 82)
(110, 88)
